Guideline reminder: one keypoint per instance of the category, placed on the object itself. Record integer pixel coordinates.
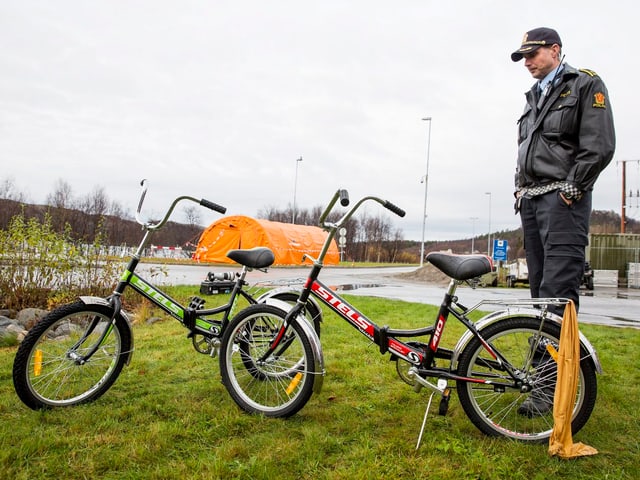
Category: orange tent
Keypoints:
(289, 242)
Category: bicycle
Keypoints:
(493, 365)
(75, 353)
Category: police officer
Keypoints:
(565, 139)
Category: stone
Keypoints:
(28, 317)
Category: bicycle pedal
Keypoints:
(444, 402)
(196, 303)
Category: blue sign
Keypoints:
(500, 250)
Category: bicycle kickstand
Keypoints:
(424, 420)
(442, 384)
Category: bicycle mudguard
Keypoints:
(90, 300)
(284, 289)
(494, 317)
(318, 370)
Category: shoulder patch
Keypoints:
(591, 73)
(599, 100)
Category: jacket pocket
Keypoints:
(562, 116)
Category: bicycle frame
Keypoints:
(504, 366)
(421, 358)
(389, 340)
(190, 317)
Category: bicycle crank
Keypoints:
(205, 345)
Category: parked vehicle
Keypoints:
(587, 277)
(517, 272)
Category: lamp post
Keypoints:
(426, 186)
(473, 233)
(295, 188)
(489, 236)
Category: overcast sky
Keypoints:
(218, 99)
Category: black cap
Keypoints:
(534, 39)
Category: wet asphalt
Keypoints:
(604, 305)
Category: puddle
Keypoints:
(356, 286)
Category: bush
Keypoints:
(43, 268)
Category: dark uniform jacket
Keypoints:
(568, 135)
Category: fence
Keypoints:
(620, 252)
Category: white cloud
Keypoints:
(218, 99)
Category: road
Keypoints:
(603, 305)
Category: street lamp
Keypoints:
(426, 186)
(473, 235)
(295, 188)
(489, 236)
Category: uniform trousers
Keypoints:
(555, 238)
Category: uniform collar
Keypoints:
(542, 84)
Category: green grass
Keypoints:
(168, 416)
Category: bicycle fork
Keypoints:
(73, 355)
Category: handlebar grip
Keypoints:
(397, 210)
(213, 206)
(344, 198)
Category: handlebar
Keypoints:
(332, 228)
(212, 206)
(344, 198)
(395, 209)
(155, 226)
(343, 195)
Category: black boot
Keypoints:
(540, 400)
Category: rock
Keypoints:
(9, 329)
(28, 317)
(152, 320)
(16, 329)
(5, 312)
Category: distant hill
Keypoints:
(601, 222)
(114, 230)
(123, 231)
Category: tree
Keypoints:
(9, 191)
(62, 196)
(14, 200)
(96, 202)
(192, 215)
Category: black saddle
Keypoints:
(257, 257)
(460, 267)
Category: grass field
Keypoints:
(168, 416)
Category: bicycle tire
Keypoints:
(494, 411)
(44, 373)
(311, 311)
(283, 384)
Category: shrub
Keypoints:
(43, 268)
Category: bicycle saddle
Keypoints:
(257, 257)
(460, 267)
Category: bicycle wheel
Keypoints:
(311, 311)
(499, 410)
(278, 386)
(48, 370)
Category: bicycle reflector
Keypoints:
(37, 363)
(294, 383)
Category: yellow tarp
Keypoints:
(561, 440)
(289, 242)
